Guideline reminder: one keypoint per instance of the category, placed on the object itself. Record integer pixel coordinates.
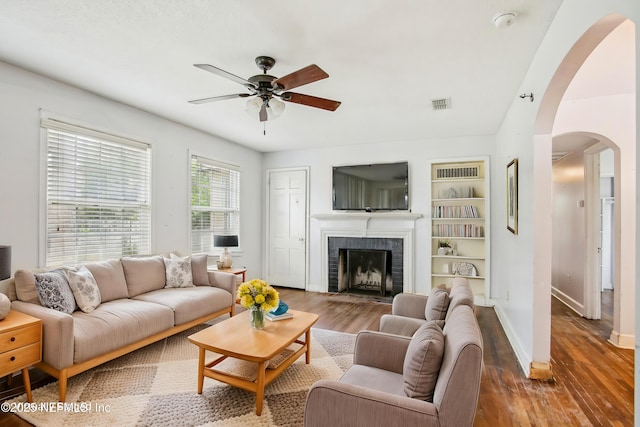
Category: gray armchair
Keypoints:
(393, 383)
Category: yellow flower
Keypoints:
(258, 293)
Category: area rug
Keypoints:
(156, 386)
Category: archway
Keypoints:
(545, 127)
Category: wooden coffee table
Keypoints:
(235, 338)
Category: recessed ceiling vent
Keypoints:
(559, 155)
(441, 104)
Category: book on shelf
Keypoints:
(275, 317)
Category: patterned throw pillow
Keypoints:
(54, 291)
(84, 288)
(178, 272)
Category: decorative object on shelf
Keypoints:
(443, 247)
(464, 269)
(226, 242)
(258, 296)
(512, 196)
(5, 273)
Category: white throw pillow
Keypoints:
(178, 272)
(85, 288)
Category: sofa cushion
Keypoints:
(422, 362)
(110, 279)
(178, 272)
(84, 287)
(143, 274)
(437, 305)
(25, 282)
(460, 294)
(116, 324)
(189, 303)
(199, 269)
(54, 291)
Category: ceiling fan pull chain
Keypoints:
(264, 129)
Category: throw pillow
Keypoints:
(54, 291)
(422, 362)
(178, 272)
(199, 269)
(85, 288)
(437, 305)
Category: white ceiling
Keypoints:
(387, 61)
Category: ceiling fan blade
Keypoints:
(263, 113)
(311, 101)
(225, 74)
(309, 74)
(219, 98)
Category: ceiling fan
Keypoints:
(266, 88)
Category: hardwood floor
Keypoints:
(593, 379)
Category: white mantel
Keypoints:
(369, 224)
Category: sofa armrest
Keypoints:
(57, 333)
(222, 280)
(332, 403)
(409, 305)
(400, 325)
(380, 350)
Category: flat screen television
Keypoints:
(374, 187)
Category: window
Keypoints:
(215, 202)
(97, 195)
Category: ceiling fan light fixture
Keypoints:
(274, 108)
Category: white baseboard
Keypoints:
(568, 301)
(523, 358)
(622, 340)
(314, 287)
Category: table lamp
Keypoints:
(221, 241)
(5, 273)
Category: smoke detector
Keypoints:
(504, 19)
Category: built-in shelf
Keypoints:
(461, 187)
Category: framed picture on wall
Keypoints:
(512, 196)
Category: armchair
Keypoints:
(388, 369)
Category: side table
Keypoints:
(237, 271)
(20, 345)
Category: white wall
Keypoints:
(418, 154)
(23, 94)
(567, 271)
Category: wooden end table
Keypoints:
(237, 271)
(235, 338)
(20, 345)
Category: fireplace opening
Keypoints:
(367, 271)
(371, 266)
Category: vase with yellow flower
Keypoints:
(257, 296)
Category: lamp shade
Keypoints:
(5, 262)
(221, 241)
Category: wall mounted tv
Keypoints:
(376, 187)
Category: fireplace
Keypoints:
(366, 265)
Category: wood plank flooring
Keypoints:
(593, 379)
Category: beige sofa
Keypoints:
(136, 309)
(431, 378)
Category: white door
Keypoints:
(287, 228)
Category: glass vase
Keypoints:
(256, 317)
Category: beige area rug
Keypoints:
(156, 386)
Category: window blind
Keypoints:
(215, 202)
(97, 195)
